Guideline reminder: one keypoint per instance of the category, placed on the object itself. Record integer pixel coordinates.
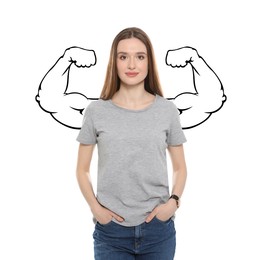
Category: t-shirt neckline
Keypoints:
(134, 110)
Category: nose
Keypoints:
(131, 63)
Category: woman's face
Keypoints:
(132, 62)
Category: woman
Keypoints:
(133, 125)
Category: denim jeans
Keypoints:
(149, 241)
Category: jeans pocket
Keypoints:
(162, 221)
(104, 225)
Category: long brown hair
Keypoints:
(112, 81)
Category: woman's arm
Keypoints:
(167, 210)
(101, 214)
(179, 169)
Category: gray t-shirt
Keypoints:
(132, 167)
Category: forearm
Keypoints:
(205, 79)
(179, 181)
(55, 80)
(86, 187)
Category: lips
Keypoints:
(131, 74)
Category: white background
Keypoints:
(43, 214)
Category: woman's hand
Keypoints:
(163, 212)
(104, 215)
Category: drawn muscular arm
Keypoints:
(66, 108)
(208, 96)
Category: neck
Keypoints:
(131, 94)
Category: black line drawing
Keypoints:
(67, 108)
(208, 96)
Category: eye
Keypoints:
(141, 57)
(122, 57)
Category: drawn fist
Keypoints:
(179, 58)
(82, 58)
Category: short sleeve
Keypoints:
(87, 134)
(175, 134)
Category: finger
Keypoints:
(82, 65)
(118, 218)
(151, 216)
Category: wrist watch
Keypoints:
(176, 198)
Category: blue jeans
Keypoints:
(149, 241)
